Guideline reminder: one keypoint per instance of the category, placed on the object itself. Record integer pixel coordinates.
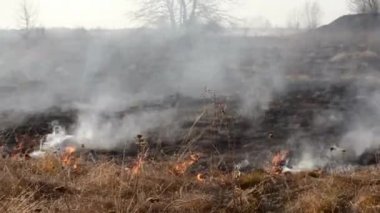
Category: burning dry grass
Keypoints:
(46, 186)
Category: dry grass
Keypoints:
(45, 186)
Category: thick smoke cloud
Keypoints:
(102, 72)
(123, 83)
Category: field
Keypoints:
(45, 186)
(149, 120)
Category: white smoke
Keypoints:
(97, 132)
(53, 142)
(55, 139)
(361, 139)
(309, 161)
(364, 133)
(102, 73)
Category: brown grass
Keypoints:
(45, 186)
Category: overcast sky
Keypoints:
(113, 13)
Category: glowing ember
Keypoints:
(181, 168)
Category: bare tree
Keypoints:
(364, 6)
(182, 13)
(27, 17)
(312, 14)
(294, 19)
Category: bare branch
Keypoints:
(182, 13)
(364, 6)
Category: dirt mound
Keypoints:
(353, 23)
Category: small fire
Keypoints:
(68, 157)
(143, 153)
(136, 169)
(24, 146)
(279, 161)
(182, 167)
(18, 150)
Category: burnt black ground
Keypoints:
(312, 112)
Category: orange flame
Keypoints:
(181, 168)
(136, 169)
(278, 161)
(17, 150)
(24, 146)
(68, 157)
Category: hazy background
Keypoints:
(114, 13)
